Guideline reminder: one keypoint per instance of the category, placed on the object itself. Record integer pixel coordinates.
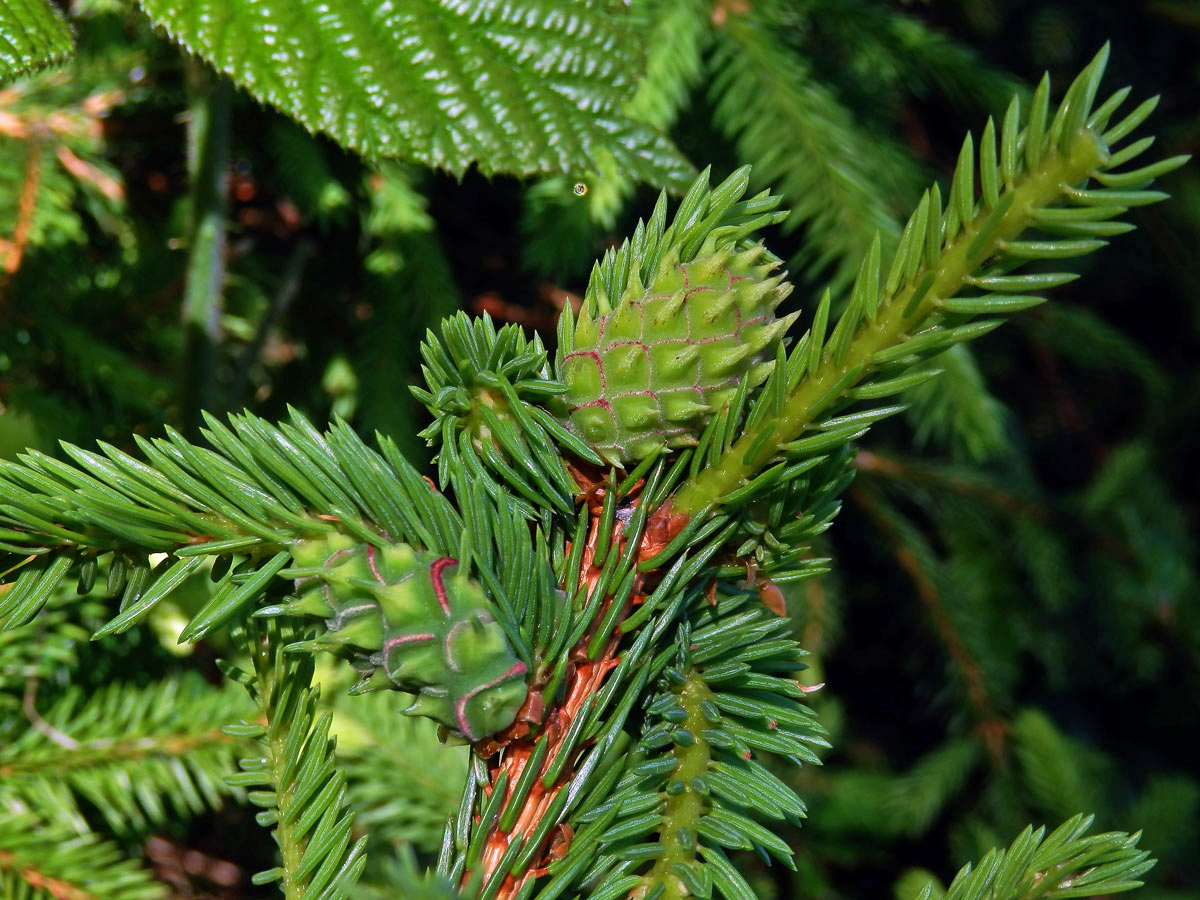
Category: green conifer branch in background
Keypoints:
(677, 35)
(166, 739)
(401, 780)
(42, 861)
(777, 113)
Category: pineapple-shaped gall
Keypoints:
(414, 622)
(653, 369)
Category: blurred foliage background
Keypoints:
(1011, 632)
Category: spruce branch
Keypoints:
(1059, 774)
(678, 34)
(402, 875)
(87, 358)
(281, 299)
(166, 739)
(1033, 181)
(247, 501)
(559, 225)
(53, 141)
(630, 601)
(837, 179)
(915, 558)
(1066, 863)
(920, 794)
(938, 256)
(47, 647)
(308, 174)
(43, 861)
(295, 781)
(402, 781)
(899, 50)
(965, 483)
(955, 410)
(740, 646)
(412, 281)
(684, 805)
(26, 208)
(1020, 507)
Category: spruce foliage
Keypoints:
(651, 612)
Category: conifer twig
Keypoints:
(895, 320)
(285, 293)
(871, 462)
(58, 888)
(990, 724)
(29, 705)
(1034, 181)
(300, 791)
(684, 809)
(26, 207)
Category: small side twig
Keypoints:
(289, 287)
(991, 726)
(40, 725)
(55, 887)
(26, 207)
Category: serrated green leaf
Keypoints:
(33, 34)
(519, 86)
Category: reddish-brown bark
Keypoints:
(513, 749)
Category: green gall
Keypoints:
(653, 369)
